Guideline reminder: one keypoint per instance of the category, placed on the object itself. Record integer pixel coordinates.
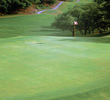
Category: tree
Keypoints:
(11, 6)
(90, 17)
(4, 6)
(35, 1)
(86, 18)
(103, 16)
(48, 1)
(64, 22)
(84, 14)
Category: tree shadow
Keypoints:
(46, 27)
(101, 35)
(85, 95)
(88, 39)
(45, 30)
(48, 31)
(42, 31)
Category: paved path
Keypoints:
(77, 0)
(57, 6)
(41, 11)
(54, 8)
(51, 9)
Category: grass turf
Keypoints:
(40, 63)
(51, 67)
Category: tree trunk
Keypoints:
(73, 33)
(100, 32)
(89, 31)
(81, 32)
(85, 32)
(93, 32)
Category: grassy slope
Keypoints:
(36, 65)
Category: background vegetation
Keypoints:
(90, 17)
(11, 6)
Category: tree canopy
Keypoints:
(89, 17)
(10, 6)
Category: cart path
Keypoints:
(51, 9)
(54, 8)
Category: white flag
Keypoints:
(75, 23)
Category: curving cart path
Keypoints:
(54, 8)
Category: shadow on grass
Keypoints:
(46, 27)
(49, 31)
(97, 94)
(99, 38)
(45, 30)
(42, 31)
(88, 39)
(101, 35)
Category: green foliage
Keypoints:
(52, 1)
(103, 16)
(90, 17)
(83, 14)
(35, 1)
(86, 18)
(4, 6)
(48, 1)
(41, 6)
(10, 6)
(99, 1)
(67, 0)
(64, 21)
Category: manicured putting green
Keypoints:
(52, 67)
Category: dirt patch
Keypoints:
(29, 10)
(21, 12)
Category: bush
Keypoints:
(42, 6)
(49, 1)
(10, 6)
(52, 1)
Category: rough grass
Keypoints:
(40, 63)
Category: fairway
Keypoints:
(38, 62)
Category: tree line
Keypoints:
(95, 15)
(10, 6)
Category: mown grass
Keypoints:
(38, 62)
(100, 94)
(51, 67)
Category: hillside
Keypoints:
(25, 6)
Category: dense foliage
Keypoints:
(90, 17)
(103, 15)
(10, 6)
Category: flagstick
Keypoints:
(75, 23)
(74, 30)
